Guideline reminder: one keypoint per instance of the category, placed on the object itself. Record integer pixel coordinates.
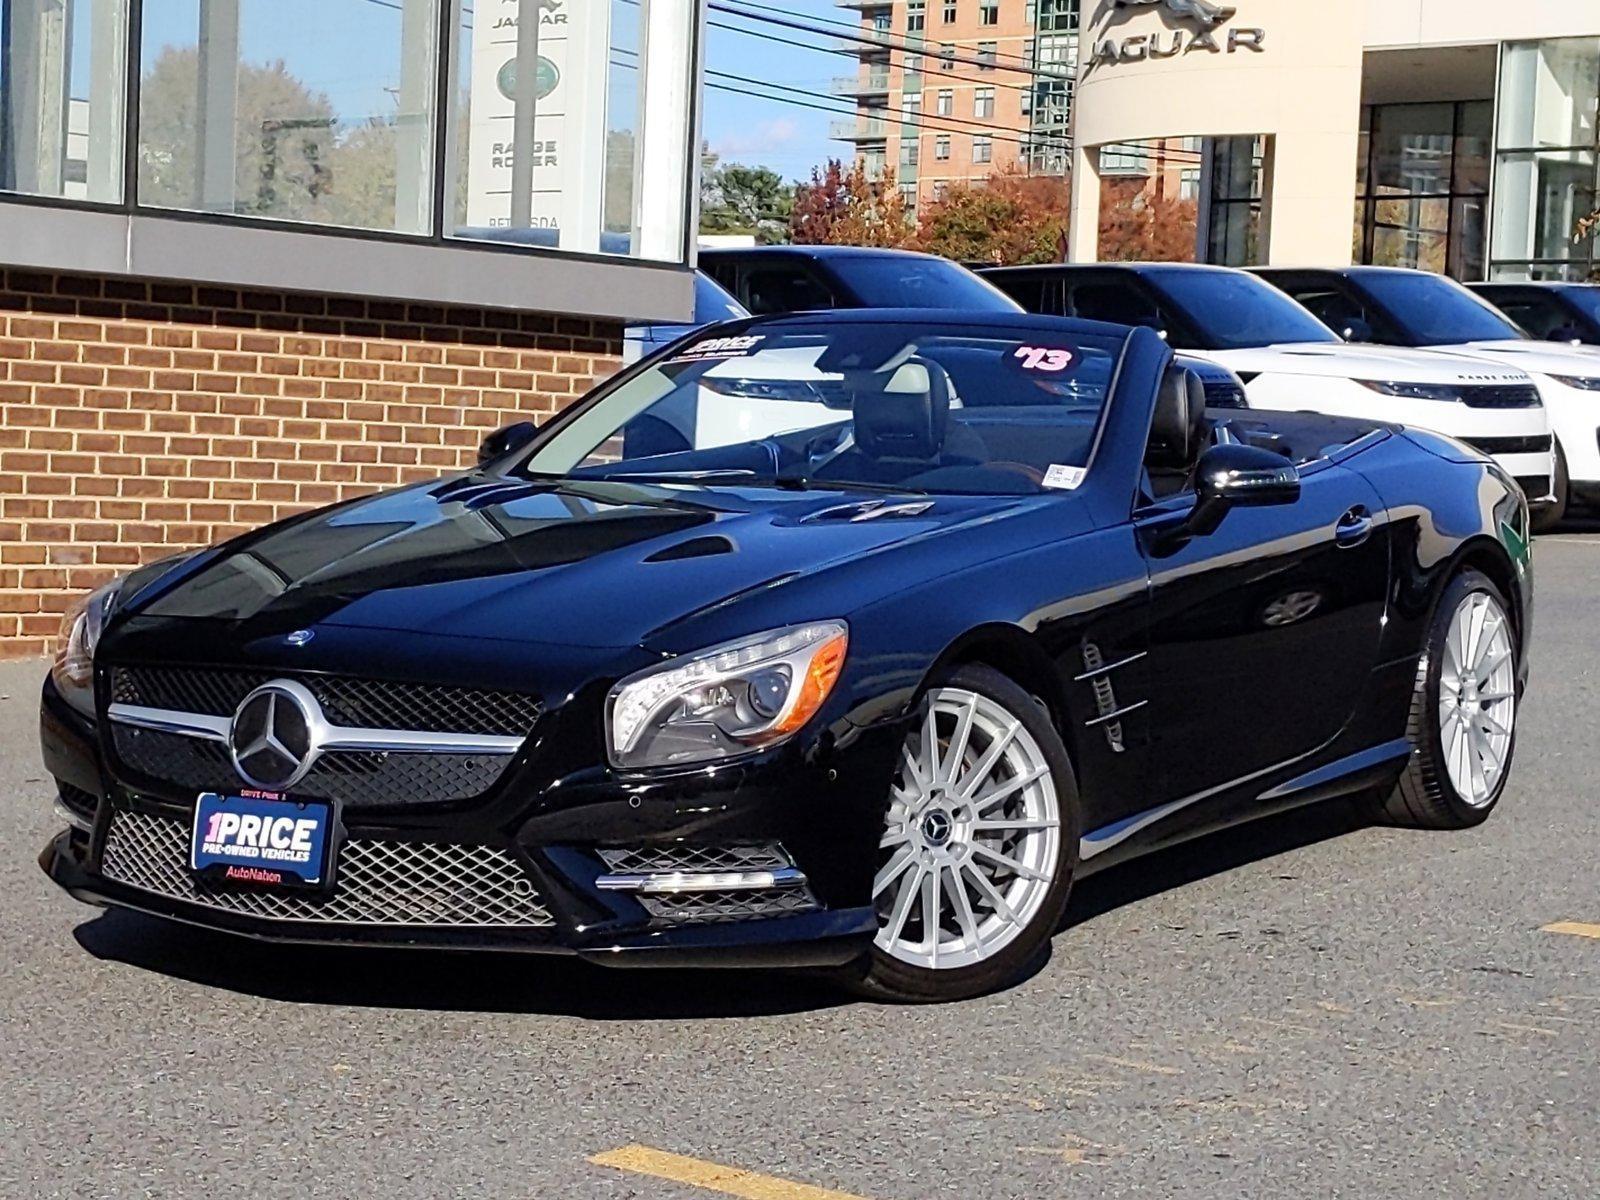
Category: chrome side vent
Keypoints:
(1108, 712)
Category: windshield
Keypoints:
(917, 281)
(1430, 310)
(1234, 311)
(937, 408)
(712, 302)
(1585, 299)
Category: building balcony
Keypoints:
(859, 129)
(864, 4)
(873, 83)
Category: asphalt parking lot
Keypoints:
(1307, 1007)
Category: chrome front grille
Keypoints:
(377, 882)
(1500, 395)
(379, 743)
(357, 778)
(362, 703)
(1537, 443)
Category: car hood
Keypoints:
(1548, 358)
(592, 564)
(1349, 361)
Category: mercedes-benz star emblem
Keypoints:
(274, 737)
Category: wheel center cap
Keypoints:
(936, 827)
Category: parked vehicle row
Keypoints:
(1423, 311)
(1291, 361)
(1395, 345)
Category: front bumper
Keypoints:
(534, 881)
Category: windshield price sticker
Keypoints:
(722, 347)
(1050, 359)
(1060, 475)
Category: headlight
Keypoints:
(1413, 391)
(727, 700)
(81, 626)
(1584, 383)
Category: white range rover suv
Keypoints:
(1290, 360)
(1392, 306)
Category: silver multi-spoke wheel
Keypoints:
(972, 843)
(1477, 697)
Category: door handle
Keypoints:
(1353, 528)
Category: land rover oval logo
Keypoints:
(274, 735)
(545, 78)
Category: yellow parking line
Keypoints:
(695, 1172)
(1576, 928)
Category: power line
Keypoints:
(948, 121)
(855, 56)
(884, 42)
(939, 122)
(724, 87)
(856, 28)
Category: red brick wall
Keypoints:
(140, 418)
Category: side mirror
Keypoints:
(505, 440)
(1236, 475)
(1356, 330)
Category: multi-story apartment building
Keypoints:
(950, 91)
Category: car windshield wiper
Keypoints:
(711, 475)
(805, 483)
(742, 475)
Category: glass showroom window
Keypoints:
(62, 83)
(1546, 152)
(573, 124)
(293, 110)
(1422, 178)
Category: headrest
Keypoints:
(1179, 422)
(908, 416)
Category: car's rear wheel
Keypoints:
(1547, 516)
(979, 843)
(1463, 711)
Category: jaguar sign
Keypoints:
(1208, 32)
(1199, 10)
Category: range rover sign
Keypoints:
(1209, 33)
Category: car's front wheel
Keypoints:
(979, 843)
(1463, 721)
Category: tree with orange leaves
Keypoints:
(1138, 225)
(1010, 218)
(850, 208)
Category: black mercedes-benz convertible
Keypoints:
(841, 640)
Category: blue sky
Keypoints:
(786, 137)
(767, 131)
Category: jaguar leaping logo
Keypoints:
(1203, 11)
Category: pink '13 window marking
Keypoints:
(1043, 358)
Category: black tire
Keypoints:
(882, 977)
(1424, 797)
(1547, 517)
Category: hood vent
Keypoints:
(698, 547)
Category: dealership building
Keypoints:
(258, 255)
(1452, 135)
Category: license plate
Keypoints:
(260, 839)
